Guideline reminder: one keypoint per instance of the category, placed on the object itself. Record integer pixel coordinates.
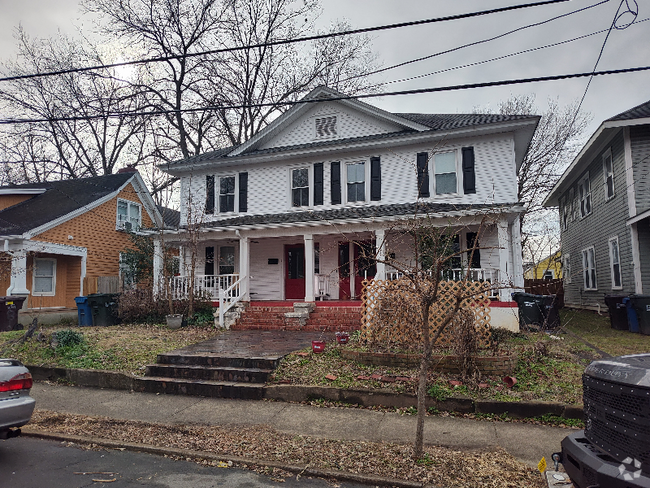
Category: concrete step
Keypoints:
(210, 373)
(211, 389)
(262, 363)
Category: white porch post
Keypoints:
(309, 268)
(636, 259)
(18, 284)
(517, 257)
(380, 246)
(157, 265)
(504, 253)
(244, 268)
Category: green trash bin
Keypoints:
(641, 305)
(531, 309)
(103, 308)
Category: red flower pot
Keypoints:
(318, 346)
(510, 381)
(342, 337)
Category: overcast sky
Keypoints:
(607, 96)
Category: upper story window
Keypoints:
(356, 179)
(445, 173)
(589, 268)
(300, 187)
(566, 268)
(227, 194)
(44, 281)
(584, 194)
(129, 215)
(326, 127)
(608, 174)
(566, 212)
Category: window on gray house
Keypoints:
(300, 187)
(227, 194)
(445, 173)
(615, 263)
(356, 182)
(584, 193)
(608, 173)
(589, 268)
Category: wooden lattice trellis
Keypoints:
(391, 313)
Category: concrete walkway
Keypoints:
(526, 442)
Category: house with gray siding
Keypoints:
(604, 206)
(290, 214)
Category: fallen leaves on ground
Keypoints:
(440, 466)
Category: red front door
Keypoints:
(294, 284)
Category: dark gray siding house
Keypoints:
(604, 205)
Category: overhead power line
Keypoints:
(467, 86)
(284, 41)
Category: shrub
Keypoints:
(140, 306)
(68, 338)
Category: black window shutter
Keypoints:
(472, 240)
(209, 194)
(336, 183)
(209, 261)
(318, 184)
(423, 175)
(469, 176)
(243, 192)
(375, 179)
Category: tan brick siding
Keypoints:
(7, 201)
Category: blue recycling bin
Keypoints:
(84, 313)
(632, 319)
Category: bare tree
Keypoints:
(91, 141)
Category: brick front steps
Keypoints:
(488, 365)
(324, 317)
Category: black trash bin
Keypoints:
(9, 307)
(641, 305)
(617, 311)
(103, 308)
(540, 310)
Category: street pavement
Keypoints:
(37, 463)
(526, 442)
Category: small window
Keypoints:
(326, 127)
(615, 263)
(300, 187)
(129, 215)
(127, 272)
(226, 260)
(44, 281)
(549, 274)
(584, 193)
(356, 182)
(566, 268)
(227, 194)
(589, 268)
(445, 173)
(608, 174)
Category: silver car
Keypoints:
(16, 406)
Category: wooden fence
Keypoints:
(546, 287)
(101, 284)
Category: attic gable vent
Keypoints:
(326, 127)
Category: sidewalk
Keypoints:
(526, 442)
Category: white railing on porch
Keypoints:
(457, 274)
(209, 285)
(228, 297)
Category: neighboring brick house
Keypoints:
(604, 205)
(54, 234)
(279, 212)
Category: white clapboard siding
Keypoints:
(267, 279)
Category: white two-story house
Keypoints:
(286, 215)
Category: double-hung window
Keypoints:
(445, 173)
(615, 263)
(566, 212)
(227, 194)
(584, 193)
(356, 178)
(566, 268)
(44, 281)
(300, 187)
(128, 215)
(608, 174)
(589, 268)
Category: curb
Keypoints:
(210, 456)
(296, 393)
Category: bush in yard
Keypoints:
(67, 338)
(140, 306)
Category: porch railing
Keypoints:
(209, 285)
(457, 274)
(228, 297)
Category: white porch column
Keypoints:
(517, 256)
(309, 268)
(380, 246)
(636, 259)
(18, 284)
(157, 265)
(244, 268)
(505, 275)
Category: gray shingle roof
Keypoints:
(171, 217)
(456, 121)
(639, 112)
(59, 199)
(345, 213)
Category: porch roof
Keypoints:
(361, 214)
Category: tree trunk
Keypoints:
(418, 448)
